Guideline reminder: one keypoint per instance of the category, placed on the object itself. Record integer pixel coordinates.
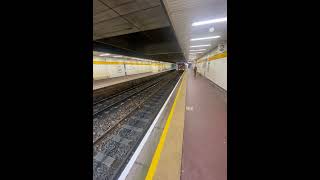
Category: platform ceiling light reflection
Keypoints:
(106, 54)
(117, 56)
(211, 21)
(204, 45)
(204, 38)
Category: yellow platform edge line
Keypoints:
(156, 156)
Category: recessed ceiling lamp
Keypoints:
(106, 54)
(211, 29)
(204, 45)
(198, 49)
(204, 38)
(211, 21)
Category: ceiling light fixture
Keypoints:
(198, 49)
(106, 54)
(211, 21)
(195, 52)
(204, 38)
(211, 29)
(204, 45)
(117, 56)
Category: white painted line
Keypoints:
(127, 169)
(189, 108)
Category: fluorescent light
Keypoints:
(195, 52)
(204, 45)
(211, 21)
(106, 54)
(117, 56)
(198, 49)
(210, 37)
(138, 59)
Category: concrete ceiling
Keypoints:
(157, 44)
(154, 29)
(117, 17)
(183, 13)
(139, 28)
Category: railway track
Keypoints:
(108, 102)
(102, 98)
(119, 128)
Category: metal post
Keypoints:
(125, 69)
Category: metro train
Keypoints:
(180, 66)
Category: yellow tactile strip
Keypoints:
(166, 162)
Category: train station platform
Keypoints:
(193, 143)
(97, 84)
